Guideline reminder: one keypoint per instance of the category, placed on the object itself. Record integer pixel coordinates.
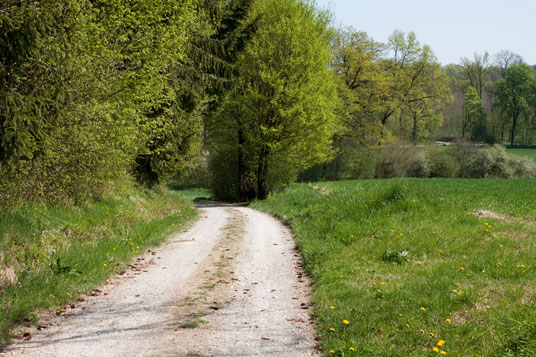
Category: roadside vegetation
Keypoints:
(51, 254)
(412, 267)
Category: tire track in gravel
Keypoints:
(231, 285)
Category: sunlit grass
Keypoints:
(467, 285)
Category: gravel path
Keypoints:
(230, 286)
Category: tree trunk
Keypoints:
(262, 173)
(414, 133)
(246, 190)
(513, 133)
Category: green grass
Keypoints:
(57, 253)
(470, 281)
(530, 153)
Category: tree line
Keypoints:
(99, 94)
(495, 99)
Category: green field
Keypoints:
(530, 153)
(418, 267)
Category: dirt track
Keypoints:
(231, 285)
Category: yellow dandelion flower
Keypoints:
(383, 282)
(459, 292)
(105, 264)
(484, 270)
(499, 263)
(115, 249)
(501, 245)
(447, 320)
(441, 343)
(331, 351)
(468, 213)
(486, 224)
(435, 349)
(443, 352)
(462, 268)
(332, 307)
(352, 349)
(423, 308)
(407, 325)
(331, 329)
(346, 322)
(68, 294)
(400, 315)
(454, 290)
(379, 290)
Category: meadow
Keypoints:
(527, 152)
(50, 254)
(418, 267)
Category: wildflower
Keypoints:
(332, 307)
(331, 329)
(435, 349)
(434, 233)
(400, 315)
(137, 247)
(423, 308)
(115, 249)
(454, 291)
(486, 224)
(422, 331)
(483, 271)
(500, 245)
(68, 294)
(499, 263)
(459, 292)
(105, 264)
(468, 213)
(443, 352)
(447, 320)
(431, 334)
(346, 322)
(331, 351)
(352, 349)
(379, 290)
(462, 268)
(407, 325)
(441, 343)
(383, 282)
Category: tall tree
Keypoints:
(516, 94)
(279, 117)
(475, 71)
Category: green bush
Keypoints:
(464, 159)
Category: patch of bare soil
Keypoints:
(232, 285)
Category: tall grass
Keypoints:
(407, 267)
(55, 253)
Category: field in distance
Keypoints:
(418, 267)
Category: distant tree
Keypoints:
(504, 59)
(475, 117)
(516, 94)
(475, 71)
(427, 97)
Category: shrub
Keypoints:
(395, 160)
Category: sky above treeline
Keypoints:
(453, 29)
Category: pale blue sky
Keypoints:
(452, 28)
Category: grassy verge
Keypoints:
(49, 255)
(418, 267)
